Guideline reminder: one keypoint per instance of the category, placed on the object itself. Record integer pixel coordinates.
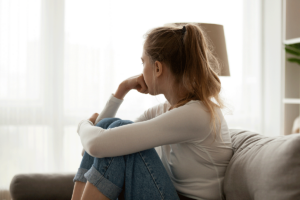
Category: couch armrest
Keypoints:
(42, 186)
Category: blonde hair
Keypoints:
(190, 59)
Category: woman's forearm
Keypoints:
(121, 91)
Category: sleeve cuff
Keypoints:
(114, 99)
(82, 121)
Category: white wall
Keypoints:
(271, 62)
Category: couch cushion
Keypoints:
(263, 167)
(42, 186)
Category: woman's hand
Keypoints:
(94, 117)
(82, 151)
(137, 82)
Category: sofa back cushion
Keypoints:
(263, 167)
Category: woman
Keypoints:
(120, 161)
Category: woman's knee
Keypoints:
(104, 123)
(119, 123)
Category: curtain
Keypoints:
(61, 59)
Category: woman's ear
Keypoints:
(158, 68)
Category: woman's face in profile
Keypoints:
(147, 73)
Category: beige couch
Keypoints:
(262, 168)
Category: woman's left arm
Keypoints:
(179, 125)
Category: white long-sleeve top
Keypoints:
(195, 165)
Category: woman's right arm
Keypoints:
(113, 103)
(136, 82)
(121, 91)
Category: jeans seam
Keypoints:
(105, 170)
(151, 175)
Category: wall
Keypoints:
(271, 62)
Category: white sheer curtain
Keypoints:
(61, 59)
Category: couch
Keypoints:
(262, 168)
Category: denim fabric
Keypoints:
(136, 176)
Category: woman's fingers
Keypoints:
(143, 86)
(142, 82)
(93, 117)
(138, 83)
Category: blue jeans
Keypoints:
(136, 176)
